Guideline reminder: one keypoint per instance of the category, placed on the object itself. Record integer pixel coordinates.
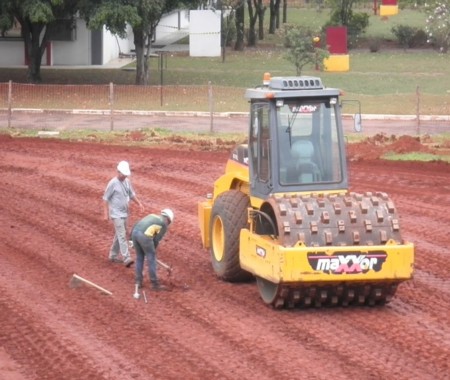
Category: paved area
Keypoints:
(203, 122)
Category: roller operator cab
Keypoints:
(282, 212)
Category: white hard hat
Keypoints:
(169, 213)
(124, 168)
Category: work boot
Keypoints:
(128, 262)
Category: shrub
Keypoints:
(420, 38)
(405, 35)
(303, 48)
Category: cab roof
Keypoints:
(291, 87)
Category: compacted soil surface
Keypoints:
(55, 326)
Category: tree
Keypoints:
(252, 17)
(256, 9)
(261, 10)
(303, 48)
(142, 15)
(229, 24)
(240, 25)
(274, 15)
(438, 24)
(36, 18)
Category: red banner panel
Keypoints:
(389, 2)
(337, 40)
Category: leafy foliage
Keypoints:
(438, 24)
(35, 17)
(408, 36)
(302, 49)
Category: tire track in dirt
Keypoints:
(78, 306)
(39, 324)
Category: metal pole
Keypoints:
(418, 109)
(211, 107)
(9, 103)
(161, 78)
(111, 105)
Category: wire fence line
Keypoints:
(115, 100)
(119, 97)
(112, 106)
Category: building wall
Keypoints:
(12, 53)
(172, 27)
(76, 52)
(79, 52)
(204, 34)
(63, 53)
(113, 45)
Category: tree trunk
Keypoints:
(34, 49)
(277, 14)
(272, 17)
(346, 12)
(253, 17)
(142, 77)
(223, 36)
(261, 10)
(260, 26)
(284, 11)
(240, 24)
(148, 37)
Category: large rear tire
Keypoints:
(228, 217)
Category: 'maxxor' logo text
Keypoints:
(347, 262)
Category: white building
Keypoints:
(76, 45)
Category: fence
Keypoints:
(112, 106)
(114, 101)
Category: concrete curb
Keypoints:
(215, 114)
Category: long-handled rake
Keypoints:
(77, 281)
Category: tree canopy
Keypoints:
(35, 18)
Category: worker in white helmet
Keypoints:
(146, 235)
(116, 197)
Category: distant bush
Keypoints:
(408, 36)
(420, 38)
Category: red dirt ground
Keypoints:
(51, 226)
